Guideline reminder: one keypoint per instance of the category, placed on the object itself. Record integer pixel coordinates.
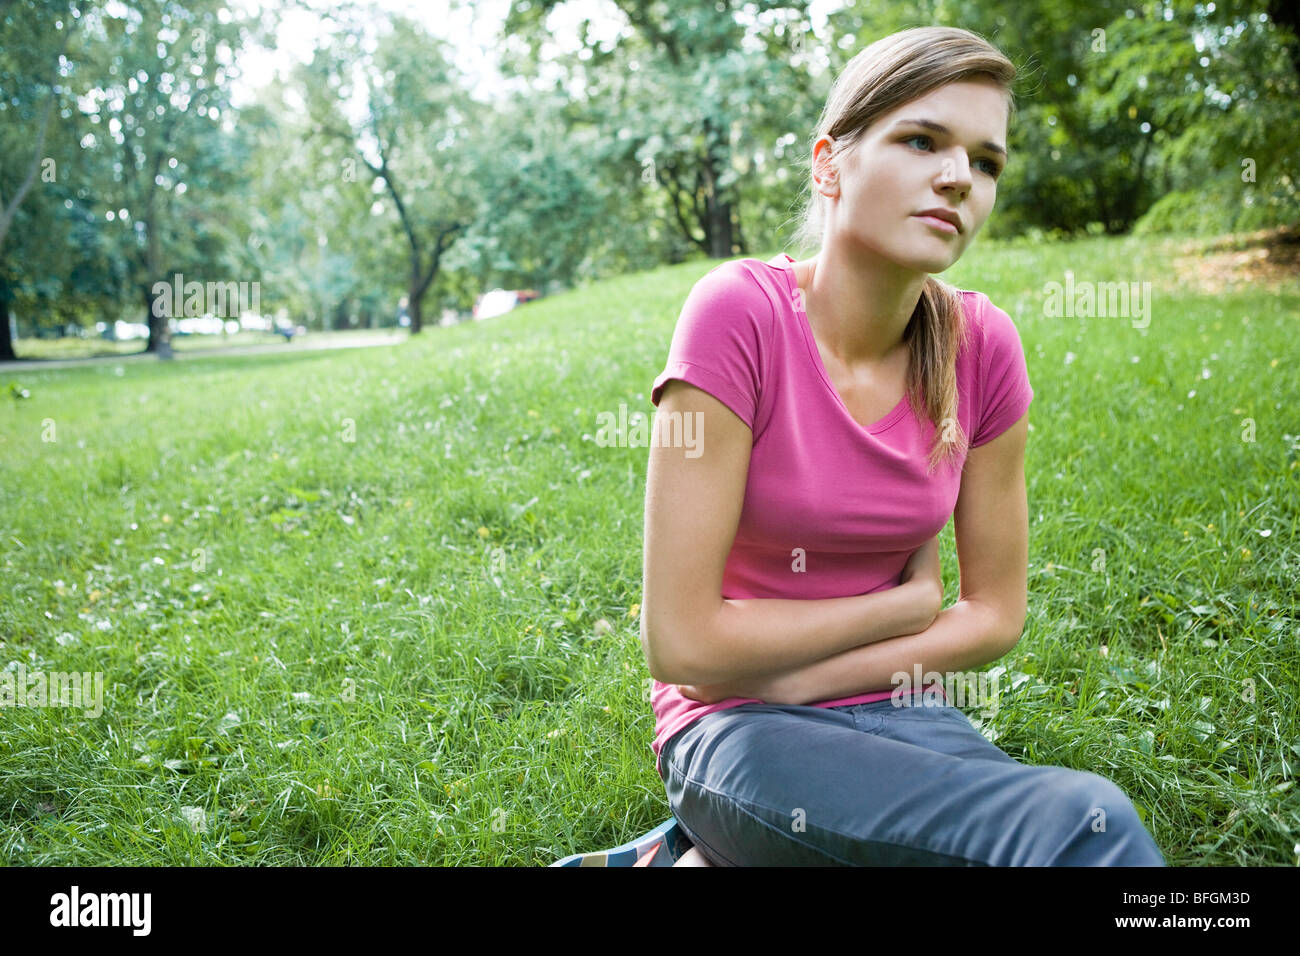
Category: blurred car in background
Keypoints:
(500, 301)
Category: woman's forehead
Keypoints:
(969, 111)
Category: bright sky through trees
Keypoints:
(473, 27)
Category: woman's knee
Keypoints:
(1096, 823)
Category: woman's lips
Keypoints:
(938, 223)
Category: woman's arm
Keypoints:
(908, 608)
(690, 634)
(991, 526)
(964, 636)
(922, 574)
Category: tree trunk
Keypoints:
(6, 339)
(160, 335)
(717, 214)
(720, 238)
(160, 338)
(415, 304)
(717, 211)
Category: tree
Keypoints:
(413, 133)
(540, 205)
(1220, 90)
(163, 108)
(315, 228)
(34, 39)
(691, 91)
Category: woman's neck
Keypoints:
(858, 308)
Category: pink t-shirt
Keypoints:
(857, 501)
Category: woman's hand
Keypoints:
(772, 689)
(923, 573)
(710, 694)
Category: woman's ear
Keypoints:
(825, 166)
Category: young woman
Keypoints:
(847, 405)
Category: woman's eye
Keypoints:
(990, 166)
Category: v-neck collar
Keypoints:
(786, 264)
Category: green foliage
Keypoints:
(373, 173)
(418, 135)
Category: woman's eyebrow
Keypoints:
(940, 128)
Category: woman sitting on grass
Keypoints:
(792, 591)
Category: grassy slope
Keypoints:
(346, 603)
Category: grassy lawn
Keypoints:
(70, 347)
(380, 606)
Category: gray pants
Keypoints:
(881, 785)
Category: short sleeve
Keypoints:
(1004, 376)
(718, 343)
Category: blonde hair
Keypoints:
(895, 70)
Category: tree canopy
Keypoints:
(375, 177)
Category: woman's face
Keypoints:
(901, 167)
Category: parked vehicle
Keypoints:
(500, 301)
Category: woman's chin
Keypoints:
(929, 264)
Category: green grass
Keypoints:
(380, 606)
(71, 347)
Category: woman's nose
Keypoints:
(955, 171)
